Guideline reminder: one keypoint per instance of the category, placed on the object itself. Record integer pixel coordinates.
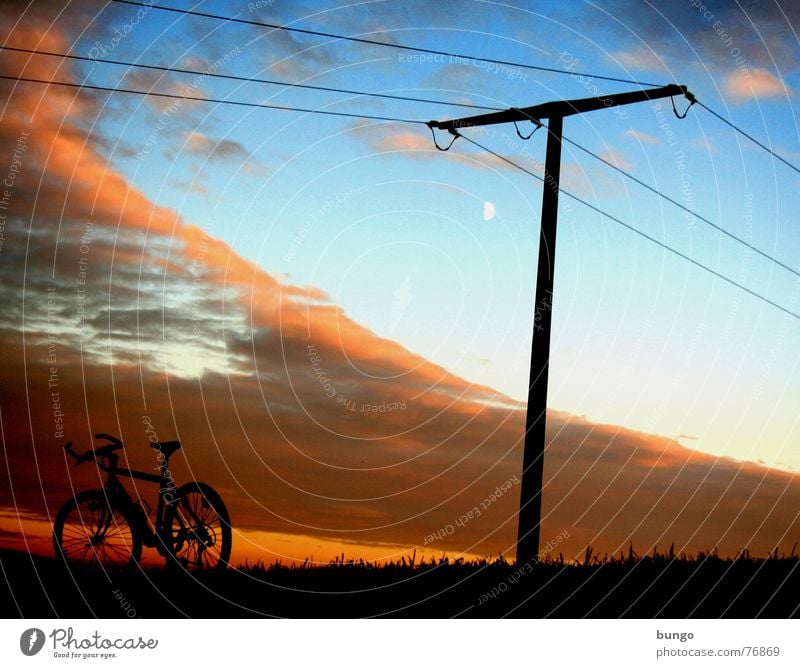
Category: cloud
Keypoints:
(194, 62)
(641, 137)
(197, 143)
(463, 77)
(401, 141)
(195, 186)
(698, 44)
(756, 83)
(296, 57)
(616, 158)
(147, 80)
(704, 144)
(233, 153)
(290, 459)
(639, 58)
(418, 145)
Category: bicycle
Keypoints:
(107, 527)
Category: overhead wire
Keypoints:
(412, 48)
(404, 98)
(750, 137)
(456, 135)
(637, 231)
(448, 54)
(458, 57)
(657, 192)
(232, 77)
(696, 215)
(212, 100)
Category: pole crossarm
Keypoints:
(562, 108)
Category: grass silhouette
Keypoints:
(626, 584)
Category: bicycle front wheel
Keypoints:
(199, 528)
(88, 530)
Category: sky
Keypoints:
(335, 317)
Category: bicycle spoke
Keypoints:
(79, 552)
(119, 530)
(198, 513)
(204, 511)
(92, 531)
(83, 554)
(73, 541)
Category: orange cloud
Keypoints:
(383, 138)
(755, 83)
(403, 141)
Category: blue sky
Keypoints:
(394, 231)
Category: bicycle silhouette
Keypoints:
(107, 527)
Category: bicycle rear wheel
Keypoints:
(88, 530)
(199, 527)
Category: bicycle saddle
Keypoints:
(167, 447)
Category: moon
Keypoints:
(488, 211)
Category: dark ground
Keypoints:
(660, 586)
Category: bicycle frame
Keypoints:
(117, 494)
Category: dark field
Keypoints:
(626, 586)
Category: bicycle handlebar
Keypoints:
(110, 439)
(71, 452)
(92, 455)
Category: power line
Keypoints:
(684, 208)
(232, 77)
(407, 47)
(639, 232)
(392, 45)
(750, 137)
(472, 141)
(213, 100)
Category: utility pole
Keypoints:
(530, 504)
